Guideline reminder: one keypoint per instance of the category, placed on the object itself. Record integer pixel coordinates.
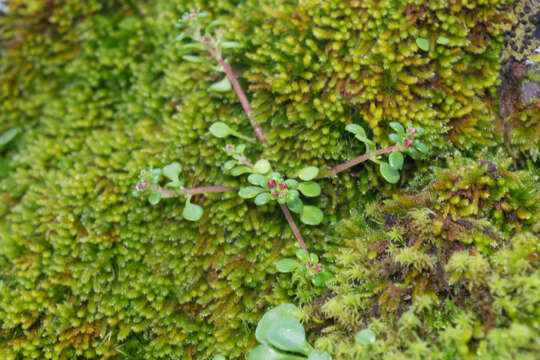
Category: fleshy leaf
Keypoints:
(356, 129)
(365, 337)
(7, 136)
(265, 352)
(250, 192)
(239, 170)
(220, 129)
(288, 335)
(388, 173)
(221, 86)
(423, 44)
(257, 179)
(397, 127)
(291, 183)
(395, 138)
(295, 205)
(302, 255)
(311, 215)
(154, 198)
(396, 159)
(262, 198)
(308, 173)
(172, 170)
(319, 355)
(230, 45)
(262, 166)
(310, 189)
(287, 265)
(420, 146)
(192, 212)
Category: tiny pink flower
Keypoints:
(206, 38)
(283, 186)
(229, 148)
(272, 184)
(139, 187)
(318, 268)
(412, 131)
(145, 184)
(408, 142)
(276, 194)
(309, 264)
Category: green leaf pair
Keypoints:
(282, 337)
(361, 135)
(308, 265)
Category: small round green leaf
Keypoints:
(174, 184)
(230, 45)
(443, 41)
(308, 173)
(319, 355)
(295, 205)
(397, 127)
(302, 255)
(314, 258)
(229, 165)
(257, 179)
(172, 170)
(364, 140)
(365, 337)
(388, 173)
(395, 138)
(220, 129)
(250, 192)
(287, 265)
(7, 136)
(311, 215)
(154, 198)
(221, 86)
(262, 198)
(192, 212)
(423, 44)
(356, 129)
(239, 170)
(413, 153)
(420, 146)
(218, 357)
(396, 159)
(291, 183)
(266, 352)
(310, 189)
(262, 166)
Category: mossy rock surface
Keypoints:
(99, 91)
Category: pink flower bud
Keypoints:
(309, 264)
(139, 187)
(318, 268)
(283, 186)
(206, 38)
(412, 131)
(272, 184)
(145, 184)
(229, 147)
(408, 142)
(276, 194)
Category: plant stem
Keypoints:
(244, 161)
(294, 229)
(165, 193)
(358, 160)
(241, 95)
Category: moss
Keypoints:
(434, 281)
(99, 91)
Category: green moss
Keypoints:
(436, 282)
(99, 91)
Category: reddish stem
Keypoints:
(294, 229)
(358, 160)
(244, 161)
(241, 96)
